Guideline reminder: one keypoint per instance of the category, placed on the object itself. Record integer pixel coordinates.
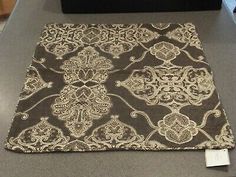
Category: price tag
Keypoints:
(215, 157)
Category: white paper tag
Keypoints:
(215, 157)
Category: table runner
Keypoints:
(96, 87)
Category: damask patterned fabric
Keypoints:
(119, 87)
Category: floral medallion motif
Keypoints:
(161, 26)
(186, 34)
(165, 51)
(61, 39)
(114, 134)
(38, 138)
(153, 145)
(92, 35)
(116, 39)
(119, 38)
(173, 87)
(76, 145)
(177, 128)
(224, 140)
(79, 106)
(33, 83)
(87, 66)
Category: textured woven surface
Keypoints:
(119, 87)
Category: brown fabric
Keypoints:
(119, 87)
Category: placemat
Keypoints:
(97, 87)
